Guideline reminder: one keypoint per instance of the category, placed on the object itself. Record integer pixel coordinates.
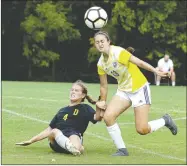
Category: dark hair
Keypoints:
(103, 33)
(130, 49)
(85, 91)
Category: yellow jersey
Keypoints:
(127, 74)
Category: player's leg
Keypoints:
(173, 77)
(116, 106)
(77, 142)
(141, 119)
(57, 148)
(144, 127)
(63, 141)
(141, 110)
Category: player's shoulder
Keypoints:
(87, 107)
(62, 109)
(116, 49)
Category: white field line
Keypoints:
(32, 98)
(100, 137)
(54, 100)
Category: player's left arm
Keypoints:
(93, 115)
(146, 66)
(44, 134)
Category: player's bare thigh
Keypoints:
(141, 119)
(116, 106)
(76, 141)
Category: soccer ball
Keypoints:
(95, 18)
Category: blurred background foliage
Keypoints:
(49, 41)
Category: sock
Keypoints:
(115, 133)
(156, 124)
(173, 83)
(158, 83)
(61, 140)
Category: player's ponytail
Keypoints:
(90, 100)
(130, 49)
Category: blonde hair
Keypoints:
(85, 91)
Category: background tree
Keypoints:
(45, 20)
(50, 29)
(153, 28)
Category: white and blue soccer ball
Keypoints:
(96, 18)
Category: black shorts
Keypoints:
(57, 148)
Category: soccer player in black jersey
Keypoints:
(65, 131)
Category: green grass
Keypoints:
(43, 100)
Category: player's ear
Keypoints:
(83, 95)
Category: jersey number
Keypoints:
(65, 117)
(76, 111)
(114, 73)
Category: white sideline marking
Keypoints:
(53, 100)
(97, 136)
(31, 98)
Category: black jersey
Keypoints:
(74, 118)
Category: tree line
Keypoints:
(51, 36)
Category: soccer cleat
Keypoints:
(121, 152)
(169, 123)
(71, 148)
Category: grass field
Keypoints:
(27, 107)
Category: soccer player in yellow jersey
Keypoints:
(133, 90)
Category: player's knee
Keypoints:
(109, 119)
(143, 130)
(54, 131)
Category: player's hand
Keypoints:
(101, 104)
(25, 143)
(161, 74)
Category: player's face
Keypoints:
(76, 93)
(101, 43)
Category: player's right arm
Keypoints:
(44, 134)
(99, 113)
(103, 88)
